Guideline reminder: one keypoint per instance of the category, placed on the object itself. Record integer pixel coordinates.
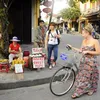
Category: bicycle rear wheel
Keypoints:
(62, 81)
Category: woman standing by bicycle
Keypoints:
(88, 75)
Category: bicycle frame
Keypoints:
(73, 63)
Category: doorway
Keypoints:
(20, 20)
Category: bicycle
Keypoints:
(63, 79)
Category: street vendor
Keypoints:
(15, 49)
(40, 33)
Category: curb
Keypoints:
(23, 83)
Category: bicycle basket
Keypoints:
(69, 57)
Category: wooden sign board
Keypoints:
(36, 50)
(18, 68)
(38, 62)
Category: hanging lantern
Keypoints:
(47, 10)
(47, 3)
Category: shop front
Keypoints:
(94, 19)
(23, 18)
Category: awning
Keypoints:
(92, 14)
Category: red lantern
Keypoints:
(47, 10)
(47, 3)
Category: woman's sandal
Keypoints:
(74, 96)
(90, 93)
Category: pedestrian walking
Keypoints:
(66, 28)
(51, 43)
(88, 75)
(40, 32)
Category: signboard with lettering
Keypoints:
(38, 62)
(36, 50)
(18, 68)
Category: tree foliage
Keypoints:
(71, 3)
(4, 43)
(2, 13)
(72, 12)
(84, 1)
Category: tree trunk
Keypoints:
(4, 42)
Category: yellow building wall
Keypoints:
(35, 16)
(85, 7)
(36, 7)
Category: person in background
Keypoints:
(15, 49)
(59, 27)
(51, 43)
(39, 39)
(66, 28)
(87, 78)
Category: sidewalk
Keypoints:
(28, 78)
(31, 78)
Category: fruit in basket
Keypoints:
(22, 62)
(17, 61)
(0, 60)
(13, 62)
(3, 60)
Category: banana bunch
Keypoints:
(3, 61)
(18, 61)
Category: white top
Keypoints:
(52, 39)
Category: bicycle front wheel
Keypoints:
(62, 81)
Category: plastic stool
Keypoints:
(6, 68)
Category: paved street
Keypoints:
(42, 92)
(31, 78)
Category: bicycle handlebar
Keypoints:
(68, 47)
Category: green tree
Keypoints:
(72, 12)
(4, 42)
(71, 3)
(84, 1)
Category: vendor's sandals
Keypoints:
(11, 68)
(74, 96)
(90, 93)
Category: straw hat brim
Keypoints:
(15, 40)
